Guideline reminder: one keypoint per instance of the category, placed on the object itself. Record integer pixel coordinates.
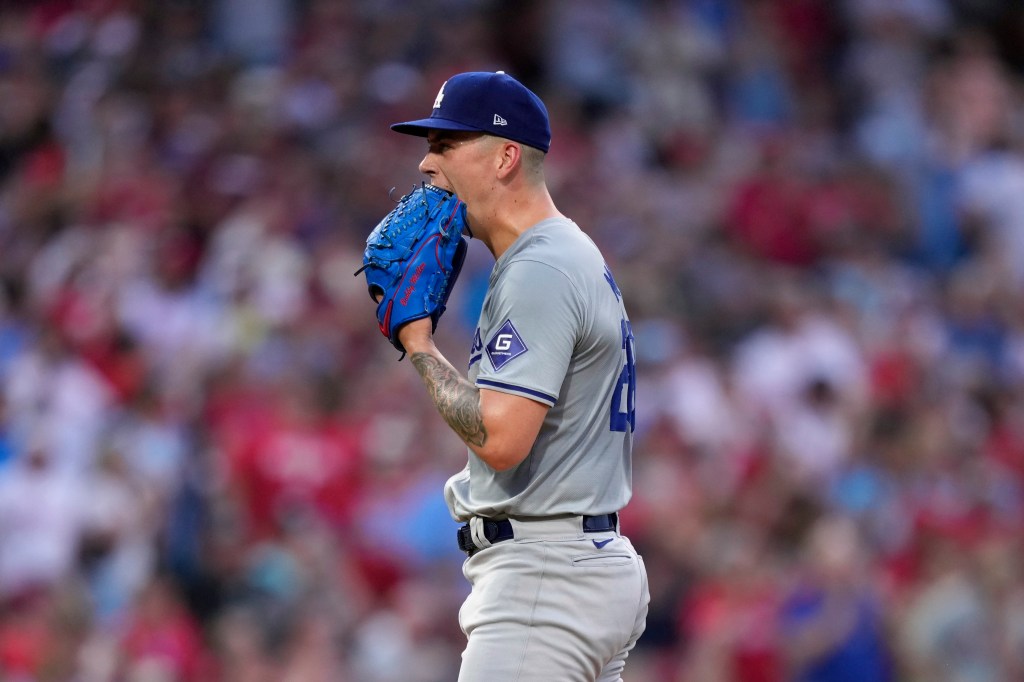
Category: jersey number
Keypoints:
(623, 410)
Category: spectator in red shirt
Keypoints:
(162, 637)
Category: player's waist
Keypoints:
(481, 532)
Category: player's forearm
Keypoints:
(457, 400)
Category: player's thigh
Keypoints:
(551, 610)
(511, 635)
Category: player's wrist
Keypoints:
(416, 336)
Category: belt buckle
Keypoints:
(465, 540)
(492, 531)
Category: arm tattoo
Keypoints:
(456, 399)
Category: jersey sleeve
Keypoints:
(535, 316)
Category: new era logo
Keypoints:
(499, 121)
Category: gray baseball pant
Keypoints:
(554, 604)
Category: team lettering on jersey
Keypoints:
(476, 351)
(611, 282)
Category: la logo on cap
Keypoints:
(440, 96)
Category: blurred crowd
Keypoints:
(214, 469)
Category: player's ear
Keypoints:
(509, 157)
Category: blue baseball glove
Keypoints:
(413, 258)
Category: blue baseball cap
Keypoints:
(492, 103)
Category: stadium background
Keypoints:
(212, 467)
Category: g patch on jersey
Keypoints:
(505, 345)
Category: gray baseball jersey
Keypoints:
(553, 328)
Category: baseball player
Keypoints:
(558, 593)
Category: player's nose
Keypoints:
(427, 166)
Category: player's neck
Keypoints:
(520, 212)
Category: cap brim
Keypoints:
(422, 126)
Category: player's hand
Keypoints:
(413, 257)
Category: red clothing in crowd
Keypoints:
(283, 464)
(742, 624)
(162, 635)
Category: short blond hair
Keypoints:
(533, 164)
